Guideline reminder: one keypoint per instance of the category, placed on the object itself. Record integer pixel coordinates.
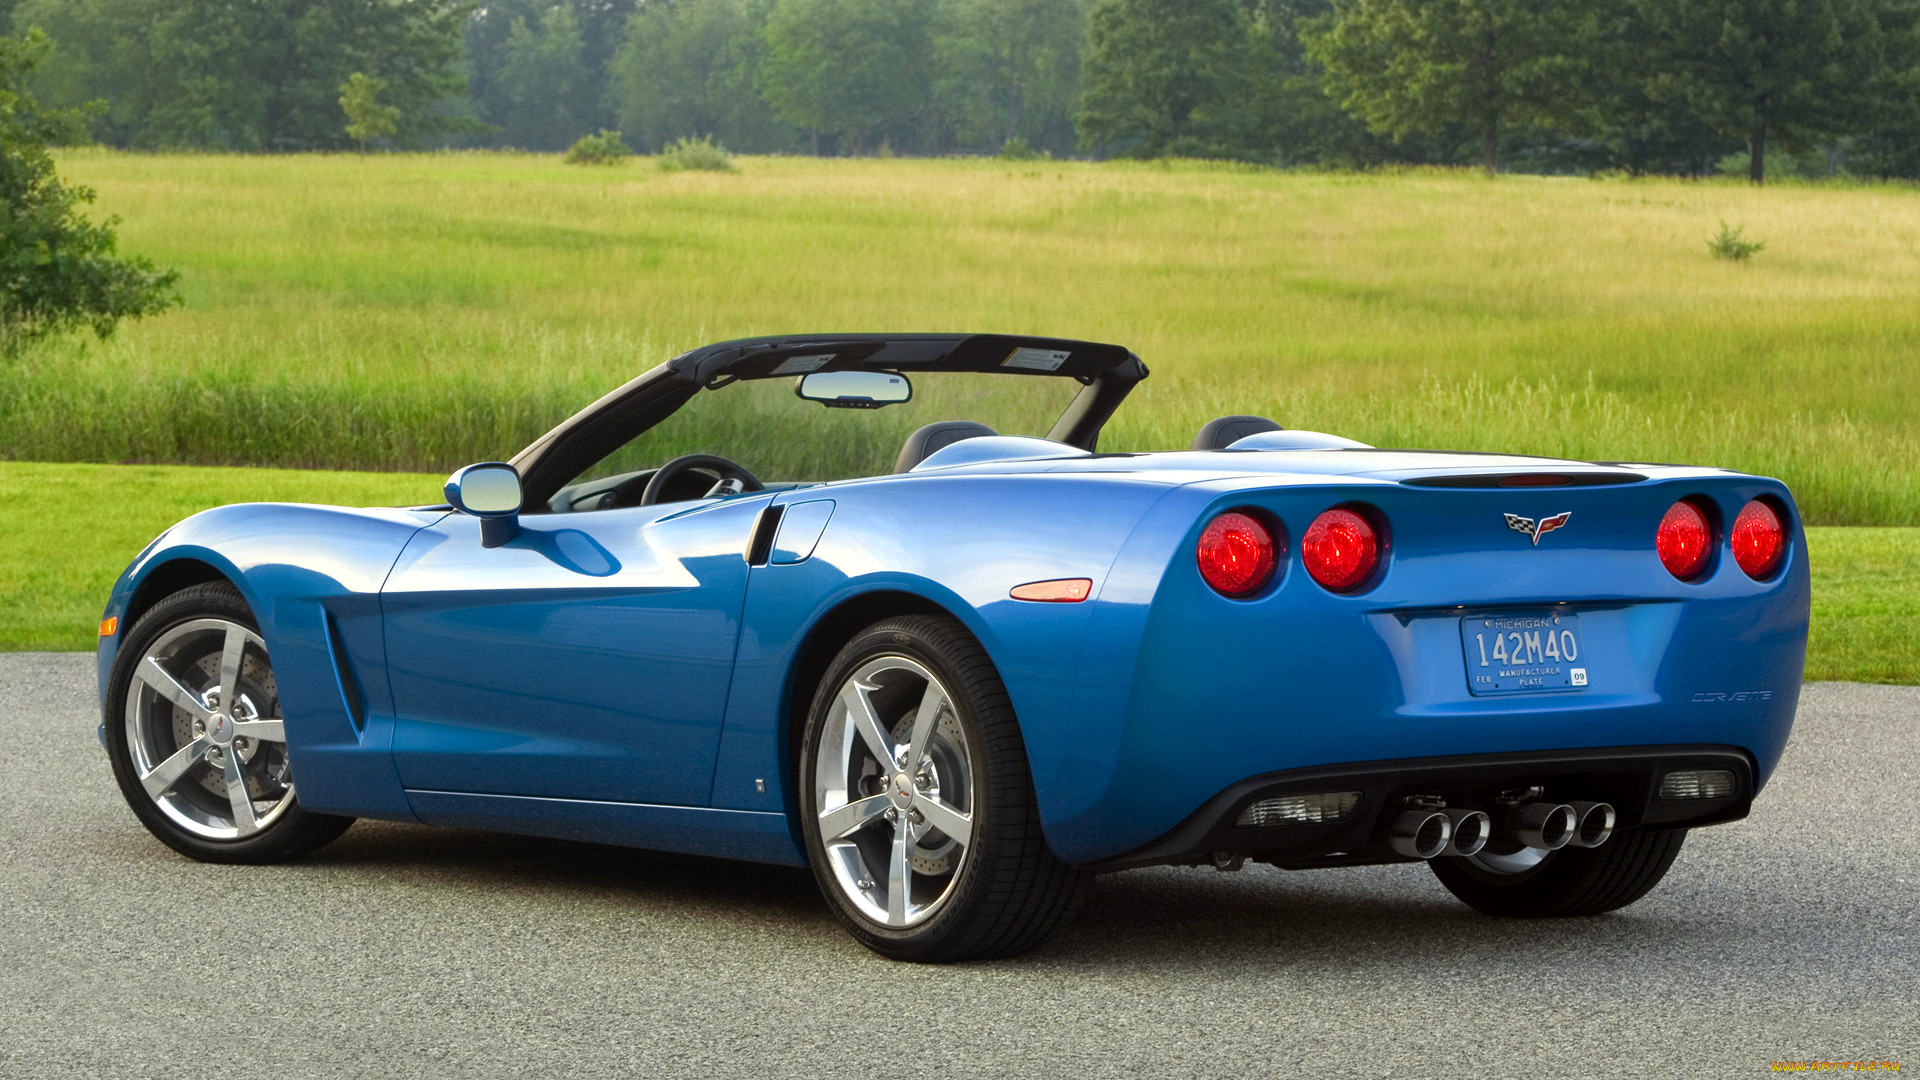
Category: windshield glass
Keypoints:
(780, 438)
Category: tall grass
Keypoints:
(419, 312)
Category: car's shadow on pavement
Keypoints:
(475, 859)
(1396, 917)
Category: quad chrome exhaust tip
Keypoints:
(1427, 833)
(1544, 825)
(1420, 834)
(1471, 831)
(1593, 823)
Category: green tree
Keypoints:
(502, 66)
(1009, 69)
(1219, 78)
(82, 64)
(1286, 116)
(366, 117)
(1418, 66)
(263, 75)
(57, 269)
(1157, 73)
(544, 78)
(1892, 146)
(690, 68)
(1794, 72)
(1639, 131)
(852, 68)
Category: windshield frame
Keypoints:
(1107, 374)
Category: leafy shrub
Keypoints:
(606, 148)
(1731, 243)
(1016, 149)
(691, 153)
(58, 271)
(366, 117)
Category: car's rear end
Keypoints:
(1565, 649)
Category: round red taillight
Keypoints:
(1341, 550)
(1758, 539)
(1236, 554)
(1684, 541)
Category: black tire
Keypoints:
(292, 830)
(1009, 893)
(1568, 882)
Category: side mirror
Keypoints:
(489, 491)
(854, 389)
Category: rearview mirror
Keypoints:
(489, 491)
(855, 389)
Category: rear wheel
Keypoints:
(917, 806)
(197, 738)
(1536, 883)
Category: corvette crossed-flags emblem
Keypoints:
(1540, 528)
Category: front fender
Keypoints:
(312, 575)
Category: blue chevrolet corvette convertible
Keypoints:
(959, 690)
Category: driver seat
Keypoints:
(1227, 430)
(937, 436)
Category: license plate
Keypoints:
(1517, 652)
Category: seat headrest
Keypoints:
(1224, 432)
(937, 436)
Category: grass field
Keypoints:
(67, 530)
(421, 312)
(396, 312)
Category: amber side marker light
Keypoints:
(1061, 591)
(108, 625)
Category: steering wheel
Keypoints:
(728, 470)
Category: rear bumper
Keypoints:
(1181, 693)
(1627, 777)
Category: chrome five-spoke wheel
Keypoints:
(893, 790)
(916, 802)
(204, 731)
(194, 726)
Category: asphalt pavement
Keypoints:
(405, 951)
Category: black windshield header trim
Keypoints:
(764, 358)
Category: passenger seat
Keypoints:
(1224, 432)
(937, 436)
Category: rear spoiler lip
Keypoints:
(1528, 480)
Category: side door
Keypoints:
(587, 658)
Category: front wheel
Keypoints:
(917, 805)
(1533, 883)
(197, 739)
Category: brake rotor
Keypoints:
(263, 764)
(937, 858)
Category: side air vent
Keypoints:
(1526, 480)
(760, 548)
(343, 672)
